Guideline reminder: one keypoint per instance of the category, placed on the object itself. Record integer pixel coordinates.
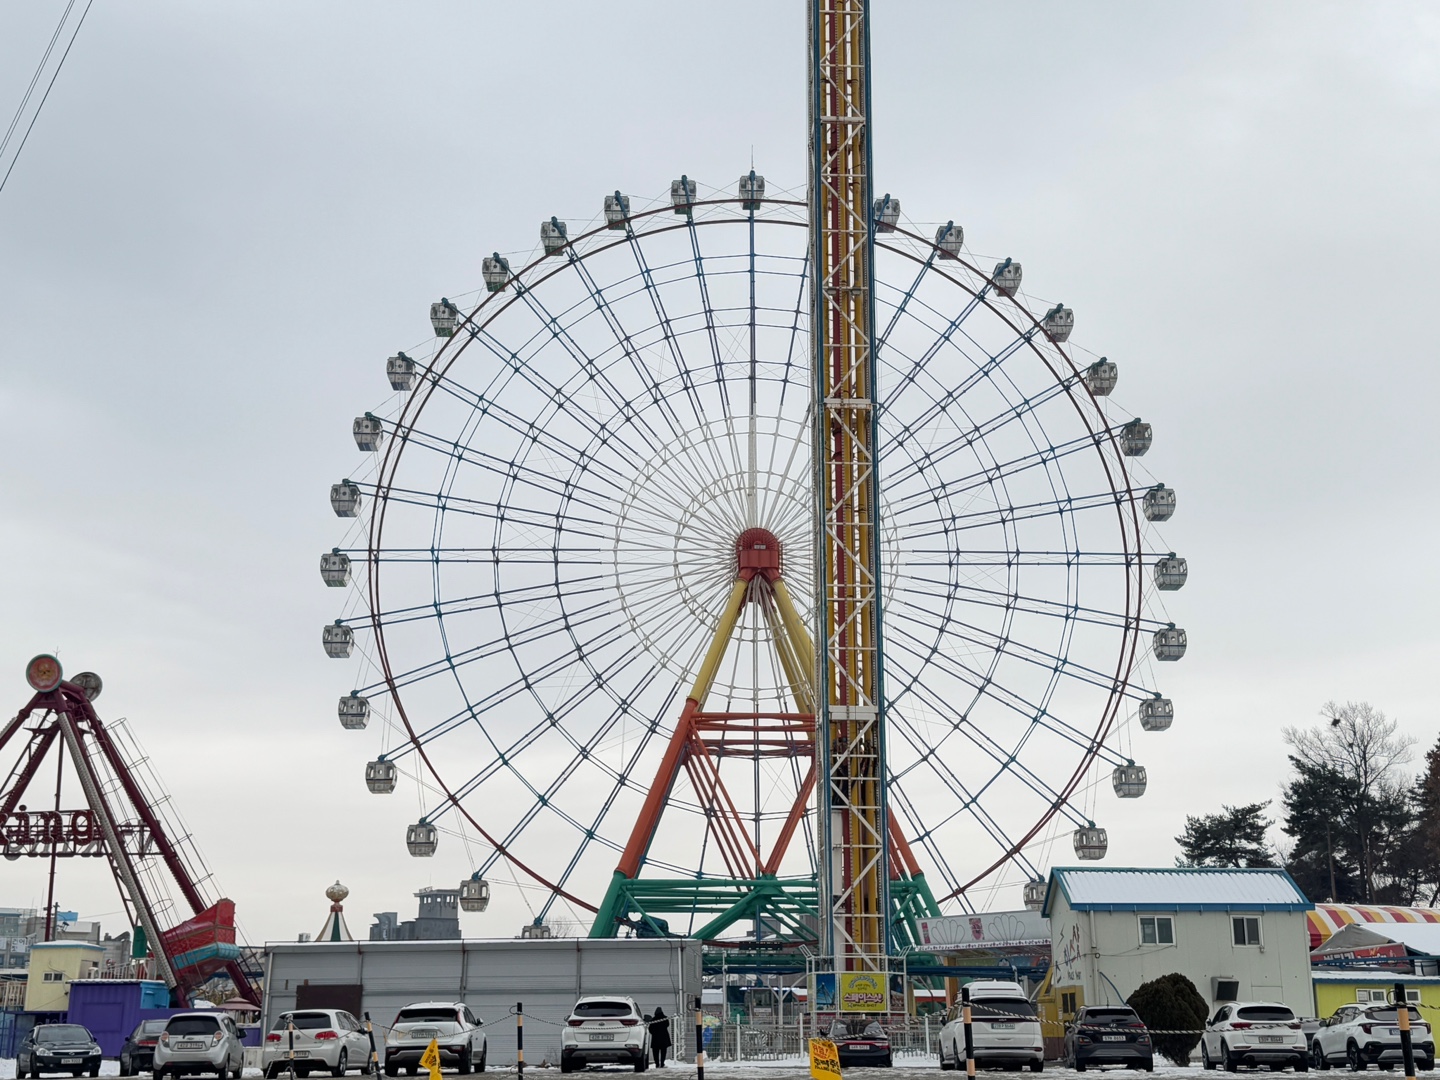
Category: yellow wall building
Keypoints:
(1336, 988)
(54, 965)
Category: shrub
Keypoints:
(1171, 1003)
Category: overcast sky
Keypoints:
(228, 215)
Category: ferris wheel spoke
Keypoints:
(975, 557)
(487, 601)
(980, 596)
(921, 528)
(709, 313)
(1002, 645)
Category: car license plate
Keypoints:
(1272, 1038)
(424, 1033)
(602, 1036)
(302, 1053)
(1113, 1038)
(69, 1061)
(1392, 1031)
(189, 1046)
(1003, 1027)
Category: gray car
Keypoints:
(53, 1048)
(199, 1042)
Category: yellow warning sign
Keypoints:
(431, 1059)
(824, 1060)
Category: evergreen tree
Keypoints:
(1233, 837)
(1171, 1004)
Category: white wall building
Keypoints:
(1236, 934)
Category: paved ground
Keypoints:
(908, 1068)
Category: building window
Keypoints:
(1067, 1003)
(54, 976)
(1246, 929)
(1382, 997)
(1157, 930)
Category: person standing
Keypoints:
(659, 1036)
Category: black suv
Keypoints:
(1108, 1035)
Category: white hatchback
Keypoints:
(329, 1039)
(454, 1029)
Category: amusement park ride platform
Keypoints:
(190, 936)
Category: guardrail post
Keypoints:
(290, 1053)
(1402, 1013)
(374, 1057)
(699, 1041)
(965, 1019)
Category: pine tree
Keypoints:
(1171, 1004)
(1233, 837)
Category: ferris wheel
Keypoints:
(581, 569)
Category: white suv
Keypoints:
(329, 1039)
(1361, 1035)
(1253, 1033)
(1005, 1029)
(452, 1025)
(605, 1029)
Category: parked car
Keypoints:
(1004, 1030)
(137, 1055)
(54, 1048)
(329, 1039)
(605, 1030)
(1363, 1035)
(1254, 1033)
(450, 1024)
(870, 1045)
(199, 1042)
(1108, 1035)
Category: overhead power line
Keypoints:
(34, 81)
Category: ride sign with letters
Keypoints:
(862, 992)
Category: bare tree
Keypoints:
(1361, 750)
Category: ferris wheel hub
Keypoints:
(758, 552)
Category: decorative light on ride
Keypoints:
(1157, 713)
(89, 684)
(354, 712)
(345, 498)
(1159, 503)
(421, 839)
(1091, 843)
(474, 893)
(752, 191)
(444, 317)
(617, 209)
(886, 213)
(682, 195)
(44, 673)
(1006, 278)
(1135, 438)
(1035, 894)
(335, 568)
(1128, 780)
(1171, 572)
(1101, 377)
(495, 269)
(369, 432)
(1169, 643)
(949, 238)
(1058, 323)
(380, 776)
(553, 235)
(338, 639)
(400, 370)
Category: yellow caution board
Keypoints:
(824, 1060)
(431, 1059)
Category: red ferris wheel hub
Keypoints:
(44, 673)
(759, 551)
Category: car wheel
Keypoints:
(391, 1069)
(1302, 1065)
(1205, 1056)
(342, 1063)
(1231, 1063)
(1352, 1058)
(1276, 1066)
(1037, 1065)
(411, 1070)
(484, 1053)
(1317, 1056)
(95, 1069)
(641, 1063)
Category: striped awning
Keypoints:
(1326, 919)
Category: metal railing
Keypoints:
(766, 1042)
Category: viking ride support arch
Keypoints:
(852, 812)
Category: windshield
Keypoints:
(1002, 1009)
(192, 1025)
(433, 1014)
(1390, 1013)
(152, 1027)
(593, 1010)
(1111, 1016)
(1274, 1014)
(61, 1033)
(303, 1021)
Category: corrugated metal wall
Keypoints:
(491, 976)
